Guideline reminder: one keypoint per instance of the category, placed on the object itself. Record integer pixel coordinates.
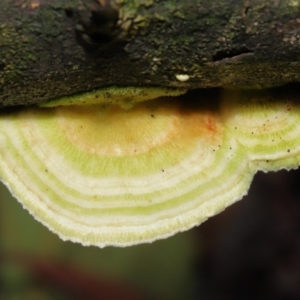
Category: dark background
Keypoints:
(249, 251)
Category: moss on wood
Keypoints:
(55, 48)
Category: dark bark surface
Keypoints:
(61, 47)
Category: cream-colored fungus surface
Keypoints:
(101, 175)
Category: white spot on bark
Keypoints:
(182, 77)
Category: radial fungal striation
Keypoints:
(101, 175)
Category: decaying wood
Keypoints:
(61, 47)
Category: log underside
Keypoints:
(55, 48)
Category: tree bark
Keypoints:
(52, 48)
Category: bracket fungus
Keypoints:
(101, 175)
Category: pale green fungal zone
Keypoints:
(125, 97)
(107, 176)
(270, 126)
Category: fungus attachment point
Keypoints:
(125, 97)
(101, 175)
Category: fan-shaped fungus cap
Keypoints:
(101, 175)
